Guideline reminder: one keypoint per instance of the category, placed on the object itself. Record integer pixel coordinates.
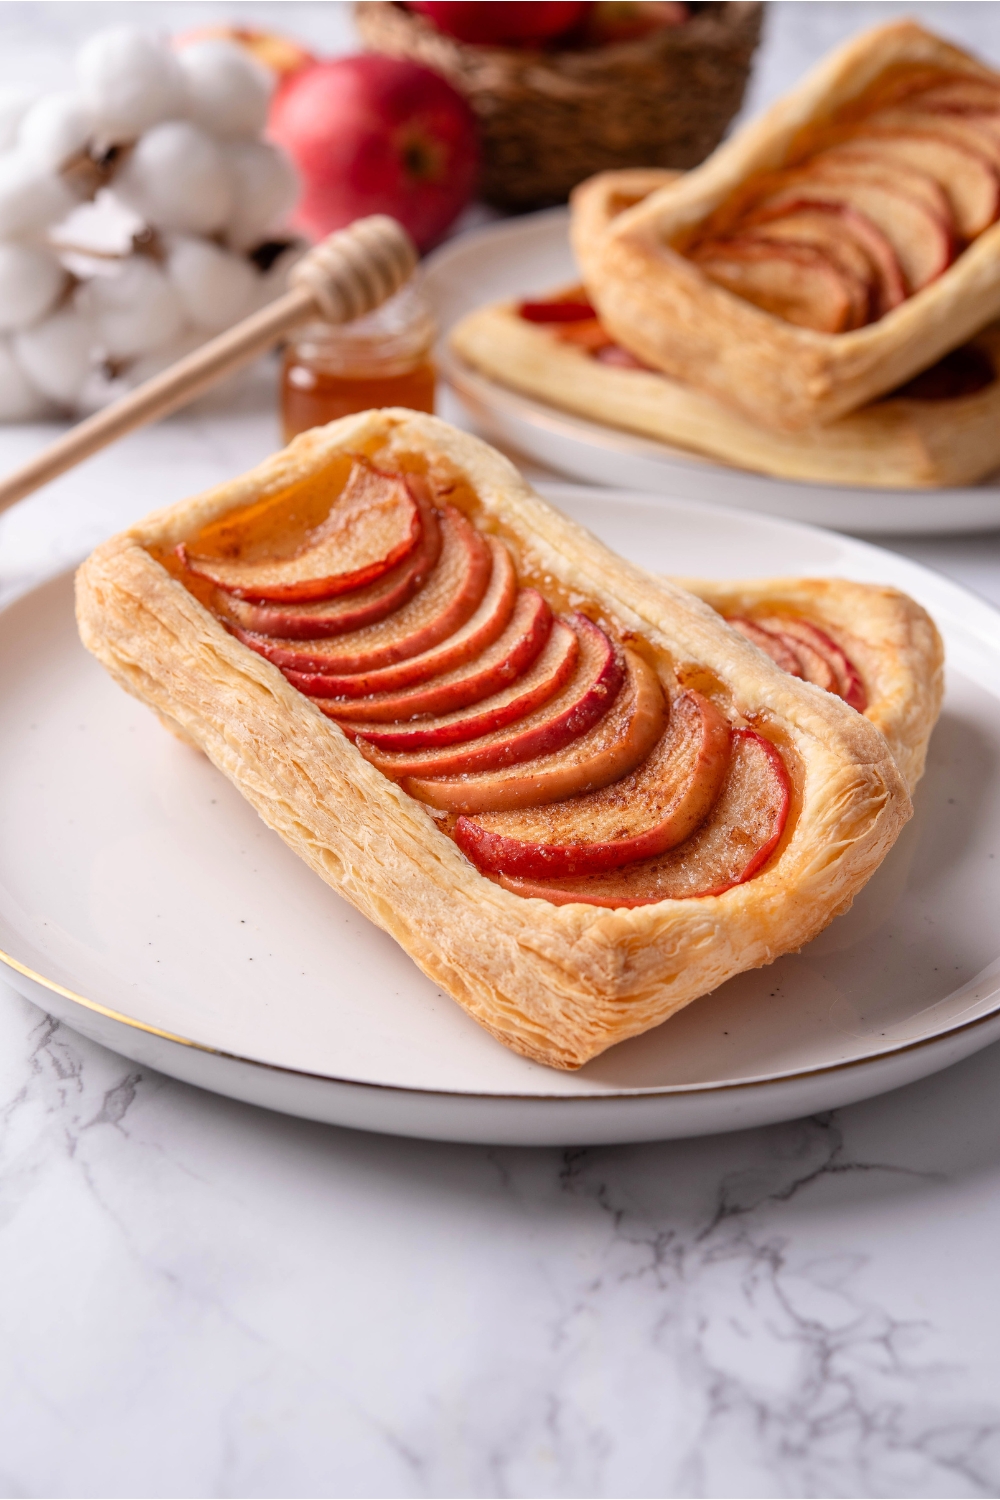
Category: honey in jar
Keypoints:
(383, 359)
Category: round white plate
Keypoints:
(143, 902)
(531, 255)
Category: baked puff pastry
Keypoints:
(891, 641)
(558, 983)
(686, 279)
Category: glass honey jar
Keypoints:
(383, 359)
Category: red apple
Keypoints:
(502, 21)
(590, 691)
(454, 593)
(374, 134)
(349, 612)
(374, 523)
(550, 671)
(510, 654)
(657, 807)
(731, 846)
(622, 737)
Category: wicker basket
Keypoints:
(550, 119)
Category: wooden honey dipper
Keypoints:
(346, 275)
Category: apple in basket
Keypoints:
(372, 134)
(500, 24)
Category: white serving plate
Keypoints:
(144, 903)
(531, 255)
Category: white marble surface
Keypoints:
(198, 1298)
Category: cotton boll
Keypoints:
(55, 129)
(178, 178)
(266, 186)
(130, 81)
(19, 400)
(133, 311)
(228, 91)
(31, 196)
(216, 288)
(55, 354)
(14, 105)
(30, 282)
(161, 359)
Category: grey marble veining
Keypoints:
(200, 1298)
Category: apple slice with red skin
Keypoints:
(961, 130)
(373, 524)
(826, 233)
(351, 611)
(781, 652)
(804, 637)
(922, 242)
(550, 671)
(489, 672)
(617, 743)
(967, 178)
(587, 696)
(731, 846)
(890, 287)
(655, 807)
(474, 580)
(795, 282)
(478, 633)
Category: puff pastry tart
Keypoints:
(941, 429)
(828, 251)
(574, 794)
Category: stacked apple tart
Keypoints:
(817, 300)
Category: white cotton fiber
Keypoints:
(178, 178)
(31, 280)
(265, 187)
(228, 92)
(56, 354)
(130, 81)
(133, 311)
(216, 288)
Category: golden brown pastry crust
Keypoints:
(891, 444)
(660, 305)
(558, 984)
(891, 640)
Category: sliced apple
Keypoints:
(474, 580)
(617, 743)
(550, 671)
(833, 670)
(730, 847)
(587, 696)
(962, 130)
(826, 233)
(351, 611)
(479, 631)
(659, 805)
(921, 240)
(968, 180)
(796, 282)
(373, 524)
(890, 287)
(487, 673)
(575, 309)
(775, 646)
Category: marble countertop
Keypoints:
(201, 1298)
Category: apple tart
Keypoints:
(574, 795)
(828, 251)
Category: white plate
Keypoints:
(142, 901)
(531, 255)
